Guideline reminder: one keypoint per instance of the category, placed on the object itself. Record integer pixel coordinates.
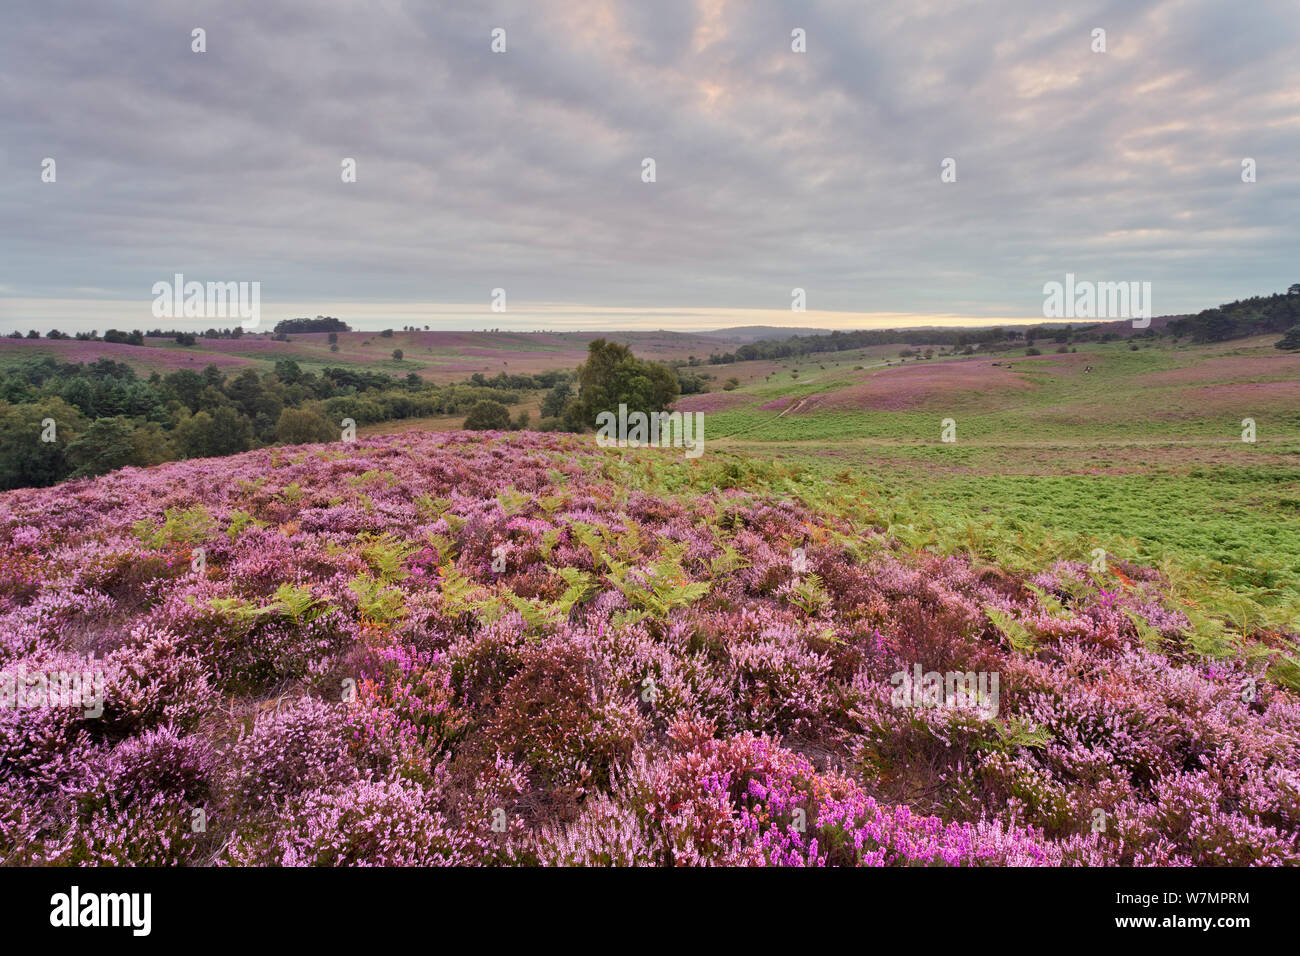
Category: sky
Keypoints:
(522, 170)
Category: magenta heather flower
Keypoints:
(518, 648)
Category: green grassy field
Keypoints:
(1142, 455)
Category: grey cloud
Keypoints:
(775, 169)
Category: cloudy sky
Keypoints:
(522, 170)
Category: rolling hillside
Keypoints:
(525, 649)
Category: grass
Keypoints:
(1151, 468)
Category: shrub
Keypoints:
(300, 426)
(488, 416)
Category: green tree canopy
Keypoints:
(486, 416)
(25, 459)
(1290, 341)
(613, 376)
(223, 431)
(106, 445)
(299, 426)
(555, 400)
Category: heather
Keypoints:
(504, 649)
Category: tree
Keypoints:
(1219, 326)
(299, 426)
(223, 431)
(103, 447)
(397, 355)
(151, 445)
(1293, 289)
(288, 371)
(211, 398)
(613, 376)
(26, 460)
(124, 338)
(555, 400)
(185, 385)
(246, 391)
(1291, 341)
(488, 416)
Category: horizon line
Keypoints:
(80, 315)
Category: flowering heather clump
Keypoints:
(377, 823)
(519, 649)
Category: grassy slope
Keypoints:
(1141, 456)
(437, 356)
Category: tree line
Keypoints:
(105, 416)
(1258, 315)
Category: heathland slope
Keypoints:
(522, 648)
(441, 356)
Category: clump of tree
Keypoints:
(487, 416)
(557, 399)
(222, 431)
(302, 426)
(134, 337)
(1291, 341)
(521, 382)
(797, 346)
(322, 323)
(108, 444)
(691, 383)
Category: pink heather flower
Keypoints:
(348, 682)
